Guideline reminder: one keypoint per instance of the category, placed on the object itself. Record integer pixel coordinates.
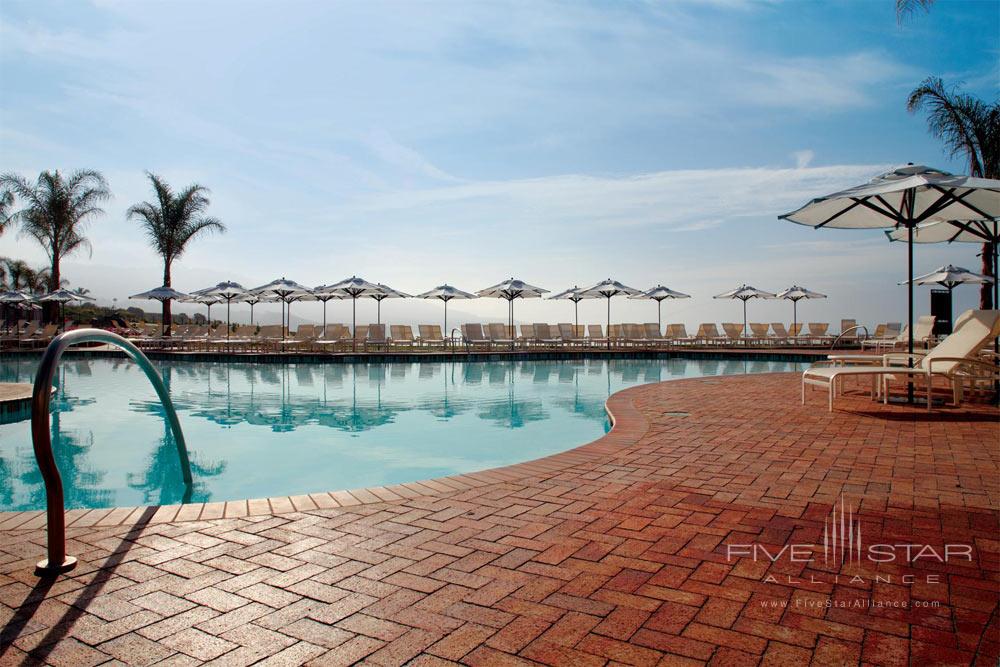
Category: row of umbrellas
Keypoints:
(21, 299)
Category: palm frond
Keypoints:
(906, 8)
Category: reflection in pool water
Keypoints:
(257, 430)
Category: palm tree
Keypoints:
(6, 203)
(904, 8)
(970, 128)
(172, 222)
(55, 213)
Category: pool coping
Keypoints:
(628, 425)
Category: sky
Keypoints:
(421, 143)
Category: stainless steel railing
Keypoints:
(41, 439)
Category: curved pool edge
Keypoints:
(628, 425)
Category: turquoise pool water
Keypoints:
(258, 430)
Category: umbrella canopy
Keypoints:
(744, 293)
(904, 197)
(659, 294)
(353, 287)
(65, 296)
(609, 288)
(951, 277)
(576, 295)
(206, 300)
(446, 293)
(509, 290)
(62, 297)
(796, 294)
(226, 291)
(385, 292)
(162, 293)
(285, 290)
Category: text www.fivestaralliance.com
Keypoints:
(829, 603)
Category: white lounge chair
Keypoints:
(955, 359)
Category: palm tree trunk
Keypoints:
(166, 320)
(986, 289)
(50, 311)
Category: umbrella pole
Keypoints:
(228, 301)
(354, 323)
(795, 316)
(909, 342)
(608, 332)
(324, 317)
(378, 311)
(659, 317)
(576, 315)
(445, 323)
(744, 322)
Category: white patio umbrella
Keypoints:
(62, 297)
(446, 293)
(323, 293)
(904, 198)
(253, 299)
(509, 290)
(744, 293)
(285, 290)
(204, 299)
(659, 294)
(385, 292)
(17, 299)
(796, 294)
(609, 288)
(950, 277)
(161, 294)
(576, 295)
(958, 231)
(227, 291)
(354, 288)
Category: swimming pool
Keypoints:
(267, 429)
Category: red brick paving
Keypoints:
(613, 553)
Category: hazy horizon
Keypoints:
(421, 144)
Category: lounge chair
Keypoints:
(957, 359)
(677, 333)
(708, 334)
(760, 332)
(569, 335)
(780, 333)
(544, 336)
(734, 333)
(430, 335)
(653, 335)
(634, 334)
(527, 335)
(499, 334)
(596, 335)
(376, 337)
(402, 335)
(817, 334)
(334, 336)
(473, 336)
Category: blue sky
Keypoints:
(416, 143)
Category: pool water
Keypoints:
(267, 429)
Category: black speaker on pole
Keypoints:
(941, 310)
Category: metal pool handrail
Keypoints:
(41, 439)
(849, 330)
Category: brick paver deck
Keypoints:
(634, 549)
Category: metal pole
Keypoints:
(608, 332)
(795, 316)
(744, 321)
(378, 311)
(659, 316)
(445, 332)
(909, 305)
(354, 323)
(41, 439)
(228, 301)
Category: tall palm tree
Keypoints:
(970, 128)
(172, 221)
(6, 204)
(904, 8)
(55, 213)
